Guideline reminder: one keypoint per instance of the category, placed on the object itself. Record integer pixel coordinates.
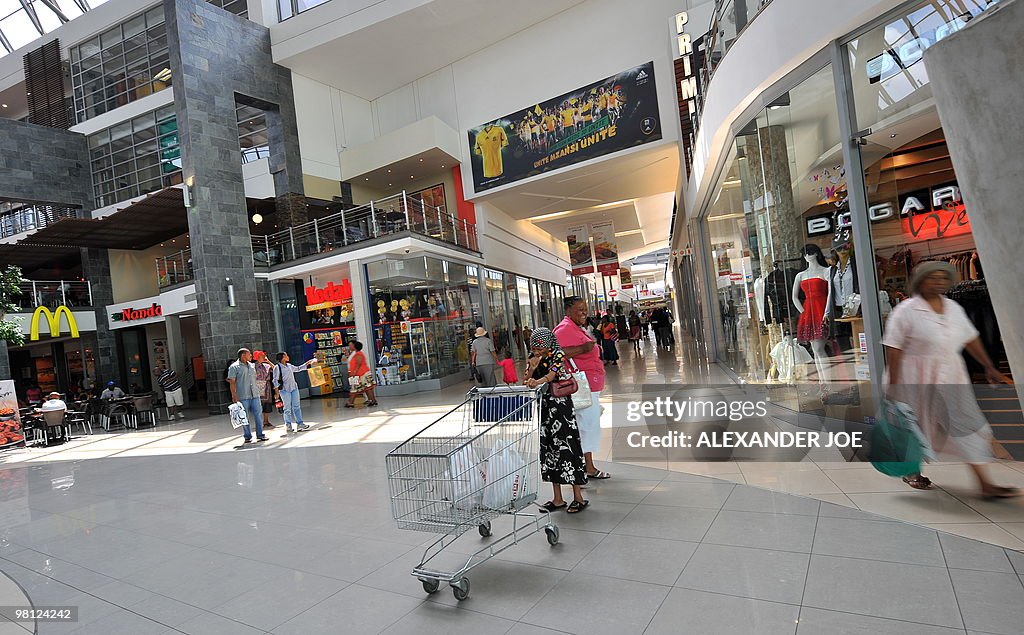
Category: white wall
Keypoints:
(519, 246)
(785, 35)
(133, 273)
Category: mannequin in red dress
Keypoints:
(813, 281)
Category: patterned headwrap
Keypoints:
(543, 338)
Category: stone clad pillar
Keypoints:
(210, 78)
(975, 77)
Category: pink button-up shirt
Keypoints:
(571, 334)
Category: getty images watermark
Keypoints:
(716, 423)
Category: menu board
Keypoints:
(10, 421)
(330, 346)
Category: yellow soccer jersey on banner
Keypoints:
(568, 116)
(489, 143)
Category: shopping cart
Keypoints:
(478, 462)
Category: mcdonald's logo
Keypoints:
(54, 320)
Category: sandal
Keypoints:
(599, 475)
(371, 403)
(349, 405)
(917, 481)
(577, 506)
(550, 506)
(1001, 492)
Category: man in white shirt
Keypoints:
(53, 402)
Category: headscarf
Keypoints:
(543, 338)
(925, 269)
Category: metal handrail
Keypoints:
(174, 268)
(28, 217)
(388, 216)
(713, 46)
(54, 293)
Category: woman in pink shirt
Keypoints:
(585, 354)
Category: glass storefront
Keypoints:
(422, 312)
(780, 255)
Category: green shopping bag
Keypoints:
(895, 448)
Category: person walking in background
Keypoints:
(924, 341)
(634, 331)
(242, 382)
(583, 350)
(561, 452)
(288, 388)
(610, 339)
(508, 367)
(168, 381)
(360, 378)
(265, 386)
(483, 357)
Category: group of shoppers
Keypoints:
(255, 384)
(260, 387)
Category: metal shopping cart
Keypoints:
(478, 462)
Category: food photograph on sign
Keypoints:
(10, 421)
(606, 116)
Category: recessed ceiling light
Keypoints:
(367, 178)
(389, 171)
(892, 136)
(389, 184)
(412, 177)
(5, 105)
(421, 160)
(442, 165)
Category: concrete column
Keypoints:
(210, 79)
(5, 361)
(976, 79)
(96, 269)
(362, 307)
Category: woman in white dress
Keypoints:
(924, 339)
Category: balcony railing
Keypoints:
(174, 268)
(728, 21)
(29, 217)
(53, 293)
(386, 217)
(377, 219)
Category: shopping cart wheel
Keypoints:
(430, 586)
(484, 528)
(460, 589)
(552, 532)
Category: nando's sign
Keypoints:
(131, 314)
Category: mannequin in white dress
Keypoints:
(817, 296)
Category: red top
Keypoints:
(571, 334)
(509, 368)
(357, 366)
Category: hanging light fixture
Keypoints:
(257, 218)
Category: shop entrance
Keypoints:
(64, 365)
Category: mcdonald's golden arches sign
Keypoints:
(53, 319)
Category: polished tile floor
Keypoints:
(175, 530)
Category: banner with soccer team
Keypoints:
(613, 114)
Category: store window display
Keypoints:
(421, 311)
(916, 210)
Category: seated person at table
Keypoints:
(53, 402)
(112, 391)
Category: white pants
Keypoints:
(588, 421)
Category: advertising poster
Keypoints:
(606, 251)
(613, 114)
(625, 278)
(581, 258)
(10, 420)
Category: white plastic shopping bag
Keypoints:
(506, 478)
(582, 398)
(238, 416)
(467, 478)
